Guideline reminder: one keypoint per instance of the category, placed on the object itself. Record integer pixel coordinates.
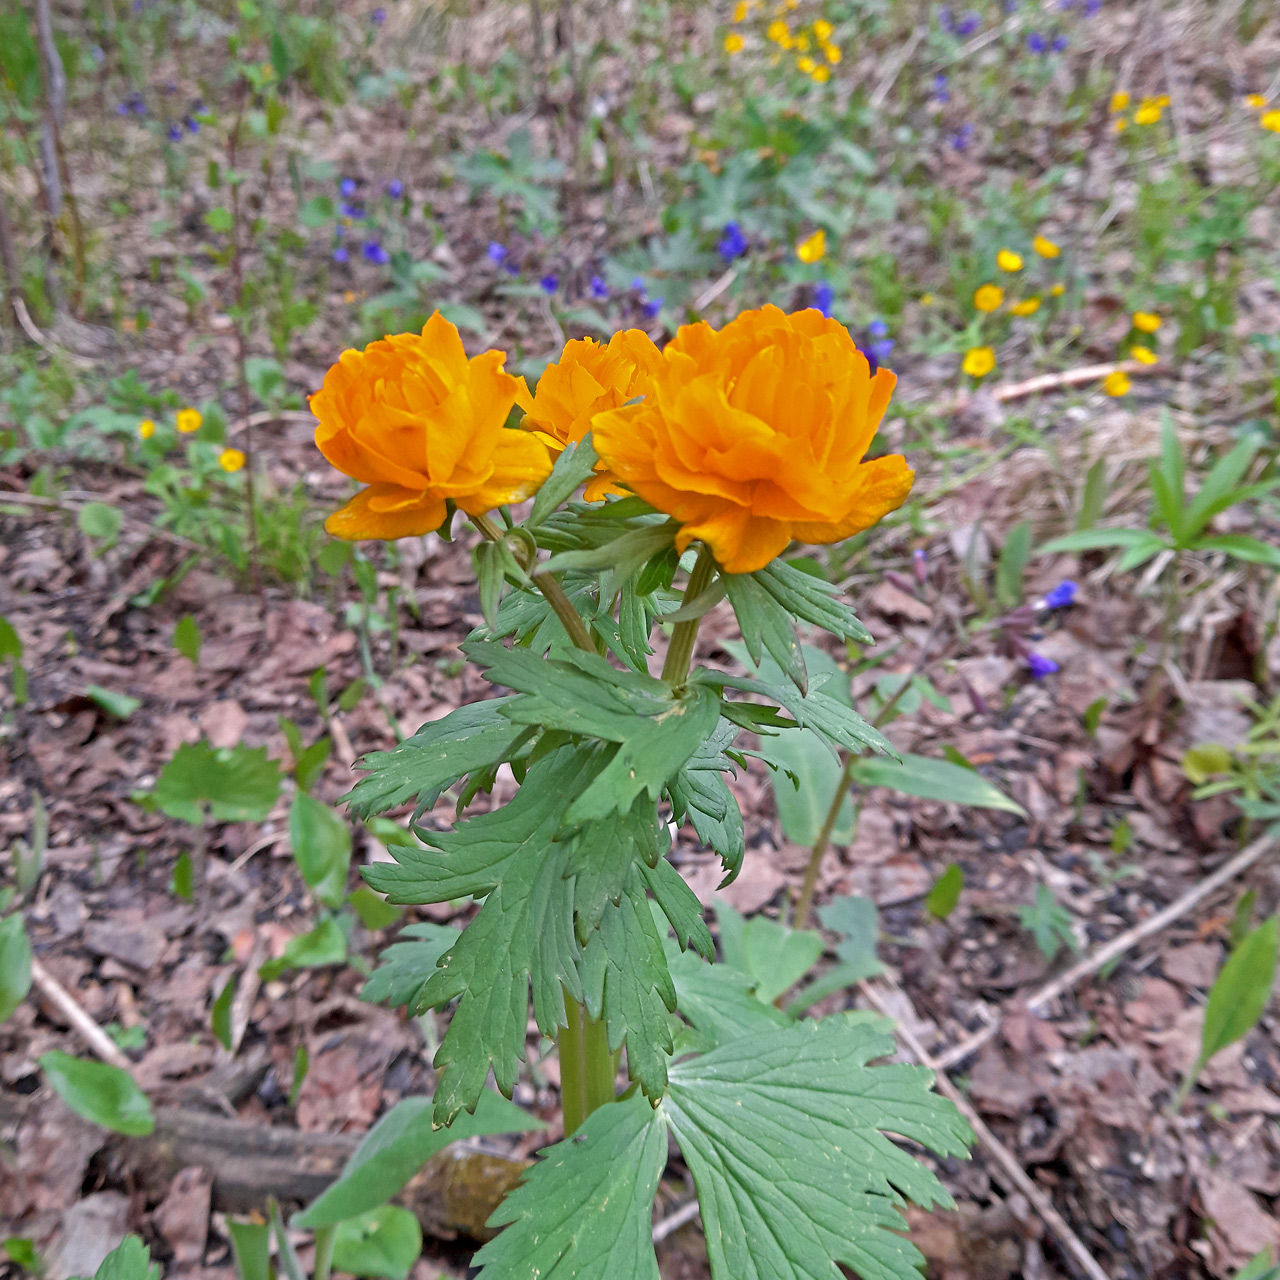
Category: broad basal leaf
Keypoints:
(718, 1001)
(586, 1209)
(625, 979)
(440, 753)
(234, 784)
(99, 1092)
(784, 1133)
(934, 779)
(523, 934)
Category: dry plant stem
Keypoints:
(1117, 946)
(1010, 1172)
(84, 1026)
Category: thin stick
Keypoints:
(32, 332)
(1057, 381)
(88, 1030)
(1117, 946)
(675, 1220)
(1010, 1172)
(905, 54)
(713, 291)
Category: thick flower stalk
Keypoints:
(419, 423)
(756, 434)
(588, 379)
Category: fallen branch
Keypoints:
(1008, 391)
(84, 1026)
(1116, 947)
(1009, 1172)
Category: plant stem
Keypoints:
(326, 1237)
(675, 671)
(601, 1068)
(573, 1067)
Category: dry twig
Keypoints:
(88, 1030)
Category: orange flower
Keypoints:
(415, 420)
(755, 434)
(588, 379)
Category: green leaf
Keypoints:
(811, 600)
(1096, 540)
(1260, 1267)
(186, 638)
(1241, 991)
(945, 894)
(703, 796)
(120, 705)
(10, 641)
(718, 1001)
(680, 906)
(218, 219)
(407, 966)
(129, 1260)
(804, 783)
(321, 847)
(766, 625)
(316, 212)
(1048, 922)
(441, 752)
(309, 764)
(375, 912)
(22, 1252)
(15, 965)
(1140, 552)
(1201, 762)
(857, 922)
(325, 944)
(934, 780)
(1219, 490)
(602, 854)
(1012, 564)
(1172, 474)
(98, 1092)
(1241, 547)
(220, 1015)
(785, 1135)
(182, 883)
(586, 1208)
(350, 697)
(1094, 495)
(574, 467)
(239, 784)
(581, 693)
(774, 956)
(398, 1145)
(522, 937)
(251, 1244)
(626, 981)
(385, 1242)
(101, 520)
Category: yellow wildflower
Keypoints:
(1162, 101)
(926, 299)
(988, 297)
(779, 32)
(807, 65)
(823, 29)
(1148, 113)
(1117, 384)
(231, 460)
(146, 429)
(1146, 321)
(1144, 355)
(812, 248)
(1007, 260)
(802, 42)
(979, 361)
(1119, 100)
(1270, 120)
(1256, 100)
(1119, 124)
(1045, 247)
(832, 53)
(1057, 288)
(1027, 307)
(733, 43)
(189, 420)
(821, 74)
(740, 12)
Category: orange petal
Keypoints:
(359, 520)
(884, 484)
(740, 542)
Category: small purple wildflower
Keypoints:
(1037, 43)
(122, 109)
(175, 133)
(637, 283)
(1059, 44)
(550, 282)
(882, 350)
(872, 362)
(968, 24)
(651, 307)
(878, 329)
(496, 252)
(347, 187)
(511, 267)
(1092, 7)
(940, 91)
(598, 288)
(1011, 6)
(823, 296)
(1062, 595)
(960, 139)
(732, 243)
(192, 124)
(1040, 666)
(945, 20)
(395, 188)
(378, 16)
(375, 253)
(137, 106)
(340, 253)
(352, 211)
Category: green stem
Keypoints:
(326, 1237)
(675, 671)
(601, 1066)
(573, 1067)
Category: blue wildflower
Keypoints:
(340, 253)
(652, 306)
(378, 17)
(598, 288)
(1059, 43)
(137, 105)
(732, 243)
(872, 362)
(877, 329)
(122, 109)
(637, 283)
(395, 188)
(496, 252)
(192, 124)
(175, 133)
(550, 282)
(1091, 7)
(347, 187)
(511, 267)
(1061, 596)
(375, 253)
(823, 297)
(353, 211)
(945, 20)
(882, 350)
(1037, 43)
(941, 93)
(968, 24)
(1040, 666)
(960, 139)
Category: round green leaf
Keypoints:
(104, 1094)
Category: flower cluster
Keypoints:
(816, 52)
(749, 436)
(987, 298)
(1149, 111)
(1268, 119)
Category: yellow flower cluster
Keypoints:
(749, 436)
(807, 45)
(991, 297)
(1267, 119)
(1149, 110)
